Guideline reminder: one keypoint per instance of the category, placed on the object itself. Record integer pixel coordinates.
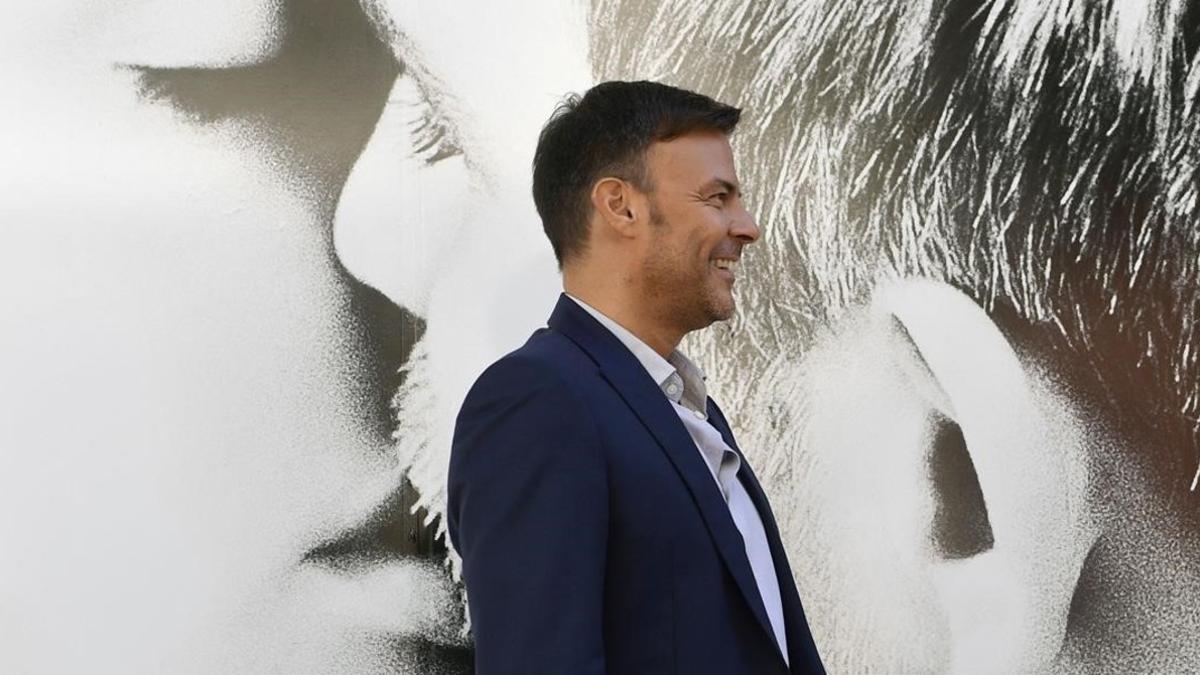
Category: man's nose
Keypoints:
(745, 227)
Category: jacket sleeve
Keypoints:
(528, 513)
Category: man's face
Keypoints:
(699, 226)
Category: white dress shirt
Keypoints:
(683, 384)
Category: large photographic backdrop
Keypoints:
(253, 252)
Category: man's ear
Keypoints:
(616, 203)
(1005, 472)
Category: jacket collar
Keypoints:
(802, 651)
(626, 374)
(680, 379)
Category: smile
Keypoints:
(728, 264)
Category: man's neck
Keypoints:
(630, 315)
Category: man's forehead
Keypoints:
(703, 159)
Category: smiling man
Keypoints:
(606, 519)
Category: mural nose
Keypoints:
(386, 334)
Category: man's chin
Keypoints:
(721, 305)
(719, 312)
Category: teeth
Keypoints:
(725, 264)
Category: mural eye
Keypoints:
(960, 527)
(432, 137)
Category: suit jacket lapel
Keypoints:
(633, 383)
(801, 648)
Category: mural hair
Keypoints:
(1041, 157)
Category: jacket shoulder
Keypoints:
(547, 360)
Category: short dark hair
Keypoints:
(606, 133)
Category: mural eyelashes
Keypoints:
(432, 139)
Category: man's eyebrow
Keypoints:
(721, 183)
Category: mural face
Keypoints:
(253, 253)
(196, 427)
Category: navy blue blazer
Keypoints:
(593, 537)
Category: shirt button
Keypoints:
(699, 414)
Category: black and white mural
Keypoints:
(253, 252)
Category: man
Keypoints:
(972, 343)
(606, 520)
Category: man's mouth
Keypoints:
(729, 265)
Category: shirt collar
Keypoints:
(680, 379)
